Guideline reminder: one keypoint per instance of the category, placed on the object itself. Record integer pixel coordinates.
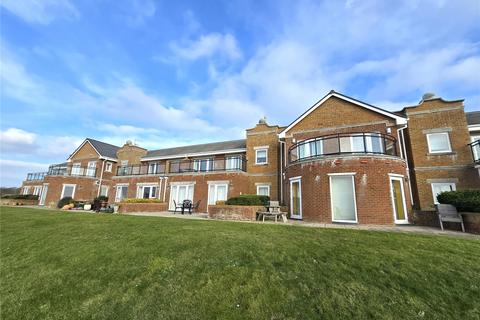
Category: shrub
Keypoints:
(248, 200)
(21, 196)
(135, 200)
(101, 198)
(464, 200)
(64, 201)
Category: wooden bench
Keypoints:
(448, 213)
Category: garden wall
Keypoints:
(18, 202)
(226, 212)
(142, 207)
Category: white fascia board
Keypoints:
(399, 120)
(474, 127)
(109, 159)
(198, 154)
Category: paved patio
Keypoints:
(403, 228)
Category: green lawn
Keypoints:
(57, 265)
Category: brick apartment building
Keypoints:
(342, 160)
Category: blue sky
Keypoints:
(168, 73)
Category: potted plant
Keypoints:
(87, 206)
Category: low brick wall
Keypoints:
(18, 202)
(226, 212)
(471, 221)
(142, 207)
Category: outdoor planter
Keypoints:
(87, 207)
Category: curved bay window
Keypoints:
(344, 143)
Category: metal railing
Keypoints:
(475, 147)
(140, 169)
(74, 171)
(36, 176)
(342, 144)
(236, 163)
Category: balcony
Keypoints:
(370, 143)
(140, 169)
(234, 163)
(475, 147)
(36, 176)
(74, 171)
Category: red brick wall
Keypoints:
(372, 187)
(142, 207)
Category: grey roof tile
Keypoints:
(473, 117)
(105, 149)
(197, 148)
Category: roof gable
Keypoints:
(104, 150)
(398, 119)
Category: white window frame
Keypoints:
(68, 185)
(441, 151)
(263, 186)
(117, 188)
(235, 160)
(352, 175)
(266, 156)
(37, 190)
(106, 190)
(215, 186)
(108, 166)
(197, 164)
(452, 185)
(141, 191)
(174, 187)
(401, 179)
(91, 168)
(26, 190)
(76, 168)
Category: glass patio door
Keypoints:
(398, 200)
(296, 198)
(43, 195)
(180, 192)
(217, 192)
(342, 197)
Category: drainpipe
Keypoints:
(160, 187)
(101, 177)
(282, 146)
(400, 132)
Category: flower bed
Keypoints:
(142, 207)
(231, 212)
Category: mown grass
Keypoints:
(57, 265)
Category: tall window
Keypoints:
(203, 165)
(440, 187)
(76, 169)
(217, 192)
(108, 167)
(233, 163)
(261, 156)
(438, 142)
(37, 190)
(121, 193)
(92, 165)
(104, 191)
(68, 190)
(26, 190)
(147, 192)
(152, 168)
(342, 196)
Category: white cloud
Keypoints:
(207, 46)
(18, 141)
(42, 12)
(140, 11)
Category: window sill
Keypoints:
(261, 164)
(446, 153)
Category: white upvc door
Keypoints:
(398, 200)
(296, 198)
(43, 195)
(180, 192)
(217, 192)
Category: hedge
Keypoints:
(464, 200)
(21, 196)
(135, 200)
(249, 200)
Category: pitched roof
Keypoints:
(473, 117)
(104, 149)
(400, 119)
(197, 148)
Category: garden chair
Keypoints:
(187, 204)
(194, 208)
(177, 206)
(448, 213)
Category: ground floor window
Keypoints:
(26, 190)
(439, 187)
(68, 190)
(121, 193)
(104, 191)
(342, 197)
(147, 192)
(37, 190)
(263, 190)
(217, 192)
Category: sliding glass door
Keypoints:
(342, 197)
(180, 192)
